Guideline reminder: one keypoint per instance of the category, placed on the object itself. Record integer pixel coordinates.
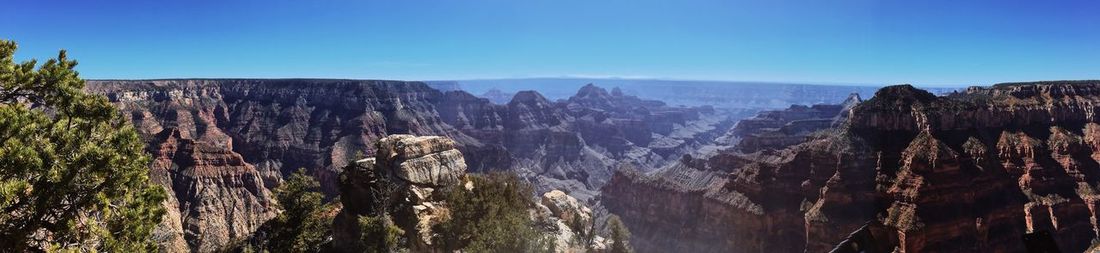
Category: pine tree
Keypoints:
(492, 217)
(620, 236)
(73, 172)
(304, 224)
(380, 234)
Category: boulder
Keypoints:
(437, 169)
(566, 207)
(422, 160)
(411, 147)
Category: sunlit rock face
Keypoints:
(423, 160)
(403, 179)
(972, 171)
(221, 145)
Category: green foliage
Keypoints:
(492, 217)
(73, 172)
(380, 234)
(584, 231)
(304, 223)
(620, 236)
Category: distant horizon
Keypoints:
(506, 78)
(586, 78)
(937, 85)
(545, 78)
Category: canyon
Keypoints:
(221, 145)
(906, 170)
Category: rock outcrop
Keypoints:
(566, 208)
(915, 172)
(568, 218)
(396, 183)
(400, 180)
(424, 160)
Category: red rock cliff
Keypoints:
(972, 171)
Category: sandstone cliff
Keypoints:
(971, 171)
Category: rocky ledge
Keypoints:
(400, 179)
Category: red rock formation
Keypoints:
(215, 197)
(967, 172)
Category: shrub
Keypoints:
(493, 217)
(304, 225)
(620, 236)
(380, 234)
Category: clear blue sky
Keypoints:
(874, 42)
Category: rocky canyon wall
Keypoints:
(221, 145)
(970, 171)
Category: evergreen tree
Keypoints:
(620, 236)
(73, 172)
(305, 223)
(492, 217)
(380, 234)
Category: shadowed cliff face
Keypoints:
(972, 171)
(220, 145)
(772, 130)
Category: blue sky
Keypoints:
(930, 43)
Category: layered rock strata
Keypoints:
(400, 180)
(222, 144)
(915, 172)
(772, 130)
